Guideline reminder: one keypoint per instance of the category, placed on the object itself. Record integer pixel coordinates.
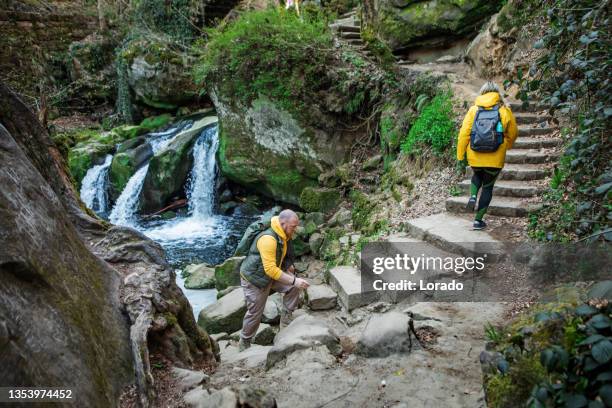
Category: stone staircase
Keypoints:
(528, 163)
(348, 30)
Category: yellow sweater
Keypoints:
(488, 159)
(266, 245)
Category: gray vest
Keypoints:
(252, 268)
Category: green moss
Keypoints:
(228, 273)
(79, 163)
(319, 199)
(122, 168)
(362, 209)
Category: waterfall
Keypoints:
(201, 188)
(123, 213)
(125, 208)
(94, 187)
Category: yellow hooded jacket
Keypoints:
(487, 159)
(266, 245)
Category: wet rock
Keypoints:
(322, 199)
(384, 334)
(227, 207)
(321, 297)
(304, 332)
(199, 277)
(125, 164)
(228, 273)
(225, 315)
(226, 195)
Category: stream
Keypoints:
(196, 235)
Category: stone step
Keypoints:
(455, 234)
(517, 106)
(529, 118)
(529, 156)
(502, 206)
(350, 35)
(346, 282)
(535, 142)
(355, 41)
(512, 188)
(533, 131)
(348, 14)
(348, 28)
(519, 172)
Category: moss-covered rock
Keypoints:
(158, 74)
(170, 167)
(85, 155)
(125, 164)
(228, 273)
(321, 199)
(225, 315)
(408, 23)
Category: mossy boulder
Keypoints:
(322, 199)
(200, 276)
(158, 74)
(125, 164)
(405, 24)
(170, 167)
(85, 155)
(228, 273)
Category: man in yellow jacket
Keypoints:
(261, 272)
(486, 166)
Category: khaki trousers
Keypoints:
(256, 302)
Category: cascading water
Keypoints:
(94, 187)
(201, 191)
(124, 211)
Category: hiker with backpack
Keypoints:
(262, 271)
(488, 130)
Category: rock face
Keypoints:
(384, 335)
(161, 77)
(52, 330)
(405, 24)
(170, 167)
(268, 150)
(225, 315)
(303, 332)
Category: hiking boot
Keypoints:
(244, 344)
(478, 225)
(286, 318)
(471, 204)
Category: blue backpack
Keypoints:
(487, 133)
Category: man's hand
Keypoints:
(301, 283)
(291, 269)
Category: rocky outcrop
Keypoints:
(53, 331)
(406, 24)
(267, 149)
(159, 75)
(225, 315)
(62, 307)
(170, 167)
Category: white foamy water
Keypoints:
(201, 193)
(94, 187)
(124, 211)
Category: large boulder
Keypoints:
(61, 321)
(158, 75)
(406, 24)
(267, 149)
(170, 167)
(304, 332)
(225, 315)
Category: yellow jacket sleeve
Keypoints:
(266, 245)
(510, 128)
(464, 133)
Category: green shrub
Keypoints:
(434, 128)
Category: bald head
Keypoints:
(289, 221)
